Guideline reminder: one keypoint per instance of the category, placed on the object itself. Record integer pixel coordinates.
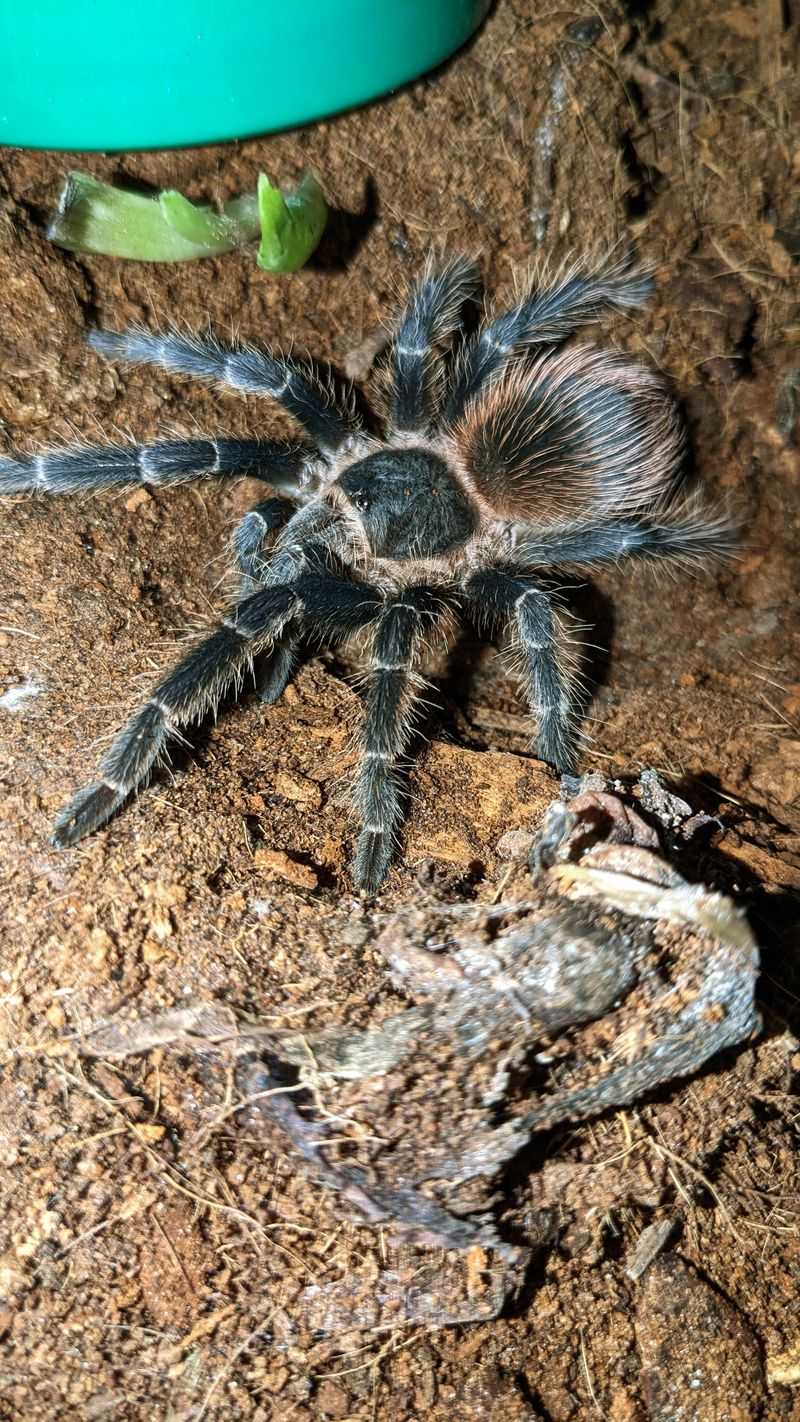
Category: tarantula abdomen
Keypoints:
(577, 435)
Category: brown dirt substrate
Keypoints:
(155, 1259)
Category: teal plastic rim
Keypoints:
(100, 75)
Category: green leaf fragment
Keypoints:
(93, 216)
(291, 224)
(203, 228)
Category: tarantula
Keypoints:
(503, 461)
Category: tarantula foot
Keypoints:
(372, 860)
(85, 812)
(570, 785)
(273, 672)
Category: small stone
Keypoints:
(331, 1400)
(700, 1358)
(100, 945)
(783, 1369)
(277, 865)
(153, 953)
(55, 1015)
(137, 499)
(298, 788)
(515, 845)
(161, 924)
(150, 1133)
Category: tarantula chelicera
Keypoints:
(503, 461)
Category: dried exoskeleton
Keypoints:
(637, 977)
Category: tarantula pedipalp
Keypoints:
(500, 462)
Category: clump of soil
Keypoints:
(155, 1258)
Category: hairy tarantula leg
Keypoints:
(546, 317)
(549, 687)
(251, 535)
(272, 670)
(430, 318)
(196, 684)
(168, 461)
(302, 393)
(692, 534)
(392, 691)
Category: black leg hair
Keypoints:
(196, 684)
(688, 535)
(428, 321)
(251, 536)
(300, 392)
(272, 670)
(527, 609)
(168, 461)
(546, 317)
(392, 692)
(301, 547)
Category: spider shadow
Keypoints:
(775, 920)
(773, 913)
(544, 1228)
(466, 667)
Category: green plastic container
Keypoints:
(93, 74)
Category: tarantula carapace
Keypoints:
(503, 461)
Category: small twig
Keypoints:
(588, 1377)
(226, 1370)
(179, 1264)
(388, 1347)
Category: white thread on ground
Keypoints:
(16, 697)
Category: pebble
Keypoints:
(779, 775)
(298, 788)
(276, 864)
(701, 1361)
(137, 499)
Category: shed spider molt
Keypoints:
(504, 461)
